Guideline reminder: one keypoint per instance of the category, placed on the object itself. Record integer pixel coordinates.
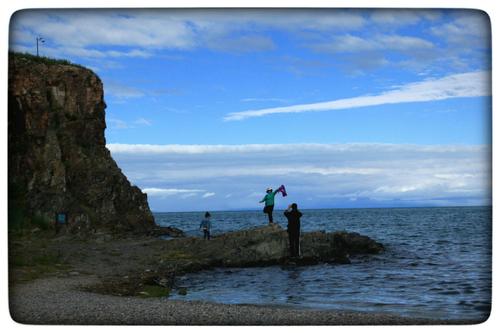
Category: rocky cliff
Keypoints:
(58, 161)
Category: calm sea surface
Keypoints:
(437, 264)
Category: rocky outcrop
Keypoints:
(266, 246)
(167, 231)
(58, 161)
(261, 246)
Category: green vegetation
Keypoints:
(16, 201)
(41, 60)
(41, 259)
(16, 217)
(176, 255)
(154, 291)
(115, 253)
(29, 236)
(30, 259)
(20, 222)
(40, 222)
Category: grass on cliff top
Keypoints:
(41, 60)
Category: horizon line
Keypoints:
(325, 208)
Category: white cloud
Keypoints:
(118, 124)
(121, 91)
(247, 43)
(282, 149)
(467, 30)
(83, 28)
(472, 84)
(289, 19)
(166, 192)
(400, 17)
(347, 43)
(92, 53)
(188, 195)
(143, 121)
(182, 193)
(330, 174)
(263, 99)
(86, 32)
(112, 34)
(350, 43)
(357, 54)
(403, 43)
(114, 123)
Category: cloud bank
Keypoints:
(230, 177)
(82, 32)
(371, 37)
(472, 84)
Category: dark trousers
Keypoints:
(206, 234)
(269, 211)
(294, 239)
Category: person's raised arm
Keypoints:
(288, 210)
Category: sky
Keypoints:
(346, 108)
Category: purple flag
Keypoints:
(282, 190)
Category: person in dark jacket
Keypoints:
(293, 215)
(206, 225)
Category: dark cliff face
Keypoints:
(57, 154)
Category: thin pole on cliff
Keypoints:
(41, 40)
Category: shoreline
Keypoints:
(330, 208)
(61, 300)
(106, 280)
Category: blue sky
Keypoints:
(347, 108)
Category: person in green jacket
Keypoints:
(269, 203)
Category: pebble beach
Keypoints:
(58, 300)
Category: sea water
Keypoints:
(437, 263)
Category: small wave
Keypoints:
(465, 303)
(469, 291)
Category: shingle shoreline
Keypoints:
(61, 300)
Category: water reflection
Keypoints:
(293, 285)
